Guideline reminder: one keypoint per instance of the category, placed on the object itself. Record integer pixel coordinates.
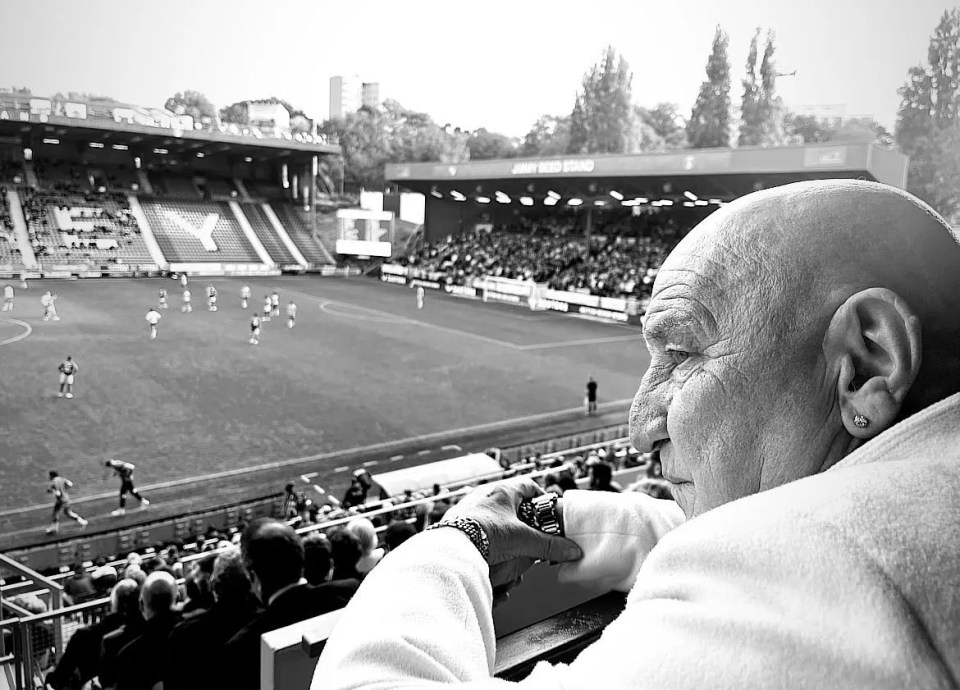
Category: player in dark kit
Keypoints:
(124, 470)
(591, 396)
(58, 487)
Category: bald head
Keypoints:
(158, 595)
(786, 320)
(788, 257)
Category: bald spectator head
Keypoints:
(365, 532)
(158, 595)
(273, 553)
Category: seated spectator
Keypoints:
(347, 552)
(79, 588)
(364, 530)
(197, 585)
(140, 664)
(41, 634)
(396, 533)
(104, 577)
(128, 606)
(195, 644)
(273, 554)
(317, 558)
(601, 478)
(78, 664)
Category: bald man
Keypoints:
(140, 665)
(802, 396)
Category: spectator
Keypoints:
(355, 495)
(78, 664)
(396, 533)
(197, 584)
(140, 664)
(364, 530)
(41, 634)
(346, 551)
(195, 645)
(104, 577)
(318, 558)
(79, 588)
(273, 554)
(601, 478)
(128, 606)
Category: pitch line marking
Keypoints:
(421, 453)
(451, 447)
(21, 336)
(305, 478)
(585, 341)
(383, 447)
(394, 458)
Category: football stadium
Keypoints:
(242, 387)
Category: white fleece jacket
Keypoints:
(849, 579)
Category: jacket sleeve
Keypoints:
(616, 533)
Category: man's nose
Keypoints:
(648, 414)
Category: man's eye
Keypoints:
(678, 356)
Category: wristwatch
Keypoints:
(541, 513)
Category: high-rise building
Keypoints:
(371, 95)
(345, 95)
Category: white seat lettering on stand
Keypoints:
(203, 233)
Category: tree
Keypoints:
(192, 103)
(602, 116)
(236, 113)
(927, 120)
(769, 104)
(667, 123)
(549, 136)
(709, 124)
(807, 127)
(484, 145)
(751, 120)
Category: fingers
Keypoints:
(556, 549)
(525, 488)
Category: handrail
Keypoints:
(557, 639)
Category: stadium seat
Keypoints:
(261, 227)
(180, 245)
(308, 245)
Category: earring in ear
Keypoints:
(860, 421)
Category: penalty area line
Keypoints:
(23, 324)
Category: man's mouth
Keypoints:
(662, 452)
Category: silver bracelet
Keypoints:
(472, 529)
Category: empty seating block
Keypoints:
(308, 245)
(174, 187)
(264, 231)
(198, 232)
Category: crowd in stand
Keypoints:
(195, 621)
(109, 214)
(9, 251)
(609, 264)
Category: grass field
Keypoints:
(362, 365)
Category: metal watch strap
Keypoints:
(472, 529)
(548, 521)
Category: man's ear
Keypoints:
(874, 339)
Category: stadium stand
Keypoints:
(9, 252)
(261, 227)
(606, 265)
(169, 218)
(74, 227)
(311, 248)
(218, 188)
(174, 187)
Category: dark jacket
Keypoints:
(78, 664)
(242, 653)
(140, 662)
(110, 647)
(195, 645)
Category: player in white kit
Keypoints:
(274, 304)
(420, 295)
(186, 308)
(211, 298)
(267, 308)
(153, 318)
(163, 299)
(8, 297)
(244, 296)
(48, 301)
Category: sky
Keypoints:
(492, 64)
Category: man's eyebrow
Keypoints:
(661, 326)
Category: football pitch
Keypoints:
(362, 365)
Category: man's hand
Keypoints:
(514, 546)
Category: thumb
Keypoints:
(557, 549)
